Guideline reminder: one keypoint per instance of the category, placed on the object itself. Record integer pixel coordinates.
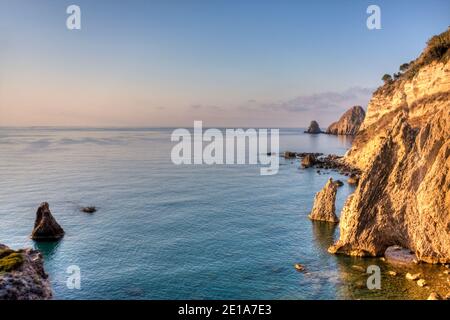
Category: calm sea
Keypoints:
(176, 232)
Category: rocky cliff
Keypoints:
(403, 150)
(22, 275)
(349, 123)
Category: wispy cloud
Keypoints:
(330, 101)
(205, 107)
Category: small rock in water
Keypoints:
(446, 272)
(308, 161)
(89, 209)
(299, 267)
(339, 183)
(45, 226)
(392, 273)
(359, 268)
(421, 283)
(412, 277)
(434, 296)
(289, 155)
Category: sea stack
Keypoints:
(45, 227)
(403, 151)
(324, 208)
(313, 128)
(22, 275)
(349, 123)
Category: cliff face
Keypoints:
(403, 149)
(349, 123)
(22, 275)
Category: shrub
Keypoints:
(387, 78)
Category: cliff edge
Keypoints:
(403, 150)
(22, 275)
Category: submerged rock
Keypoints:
(413, 277)
(45, 227)
(22, 275)
(313, 128)
(421, 282)
(324, 208)
(349, 123)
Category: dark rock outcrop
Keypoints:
(324, 208)
(349, 123)
(308, 161)
(313, 128)
(45, 227)
(22, 275)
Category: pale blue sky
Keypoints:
(166, 63)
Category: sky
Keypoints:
(229, 63)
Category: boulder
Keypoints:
(412, 277)
(349, 123)
(324, 208)
(339, 183)
(313, 128)
(434, 296)
(45, 227)
(308, 161)
(289, 155)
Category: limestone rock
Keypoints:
(22, 275)
(45, 227)
(313, 128)
(349, 123)
(403, 150)
(324, 208)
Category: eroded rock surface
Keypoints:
(403, 150)
(45, 226)
(324, 208)
(22, 275)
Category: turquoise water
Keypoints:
(173, 232)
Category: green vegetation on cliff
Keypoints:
(10, 260)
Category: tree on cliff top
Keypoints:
(387, 78)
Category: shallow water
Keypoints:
(180, 232)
